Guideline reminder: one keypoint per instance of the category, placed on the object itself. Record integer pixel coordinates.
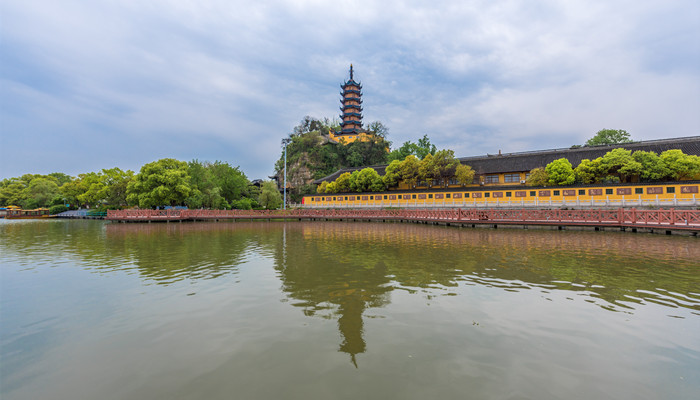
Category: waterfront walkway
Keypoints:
(664, 221)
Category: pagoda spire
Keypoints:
(351, 106)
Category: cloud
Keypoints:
(91, 85)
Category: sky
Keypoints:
(93, 84)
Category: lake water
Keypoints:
(335, 310)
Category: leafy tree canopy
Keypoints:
(160, 183)
(538, 177)
(270, 198)
(560, 172)
(609, 136)
(420, 149)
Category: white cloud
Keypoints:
(231, 78)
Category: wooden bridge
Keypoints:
(666, 220)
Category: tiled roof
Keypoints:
(526, 161)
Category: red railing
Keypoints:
(677, 219)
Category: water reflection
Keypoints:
(341, 270)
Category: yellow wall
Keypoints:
(349, 138)
(525, 194)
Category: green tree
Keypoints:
(160, 183)
(60, 178)
(233, 183)
(392, 174)
(538, 177)
(12, 192)
(270, 198)
(409, 170)
(653, 167)
(40, 192)
(420, 149)
(116, 182)
(588, 171)
(322, 187)
(444, 165)
(619, 163)
(425, 147)
(332, 187)
(378, 129)
(609, 136)
(366, 180)
(681, 165)
(93, 189)
(343, 182)
(464, 174)
(560, 172)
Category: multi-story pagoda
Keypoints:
(351, 106)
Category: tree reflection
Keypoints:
(339, 270)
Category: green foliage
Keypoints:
(12, 192)
(377, 128)
(619, 162)
(366, 180)
(441, 166)
(244, 203)
(270, 198)
(464, 174)
(322, 187)
(420, 149)
(308, 149)
(587, 171)
(343, 182)
(392, 174)
(409, 170)
(332, 187)
(160, 183)
(609, 136)
(538, 177)
(40, 193)
(61, 178)
(58, 208)
(560, 172)
(681, 165)
(653, 167)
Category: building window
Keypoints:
(508, 194)
(447, 195)
(533, 193)
(454, 181)
(527, 176)
(511, 178)
(466, 195)
(334, 199)
(430, 196)
(582, 192)
(638, 190)
(487, 194)
(491, 179)
(384, 197)
(413, 196)
(346, 198)
(556, 193)
(608, 191)
(670, 189)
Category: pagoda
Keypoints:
(351, 106)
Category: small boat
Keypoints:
(18, 213)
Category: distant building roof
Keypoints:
(528, 160)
